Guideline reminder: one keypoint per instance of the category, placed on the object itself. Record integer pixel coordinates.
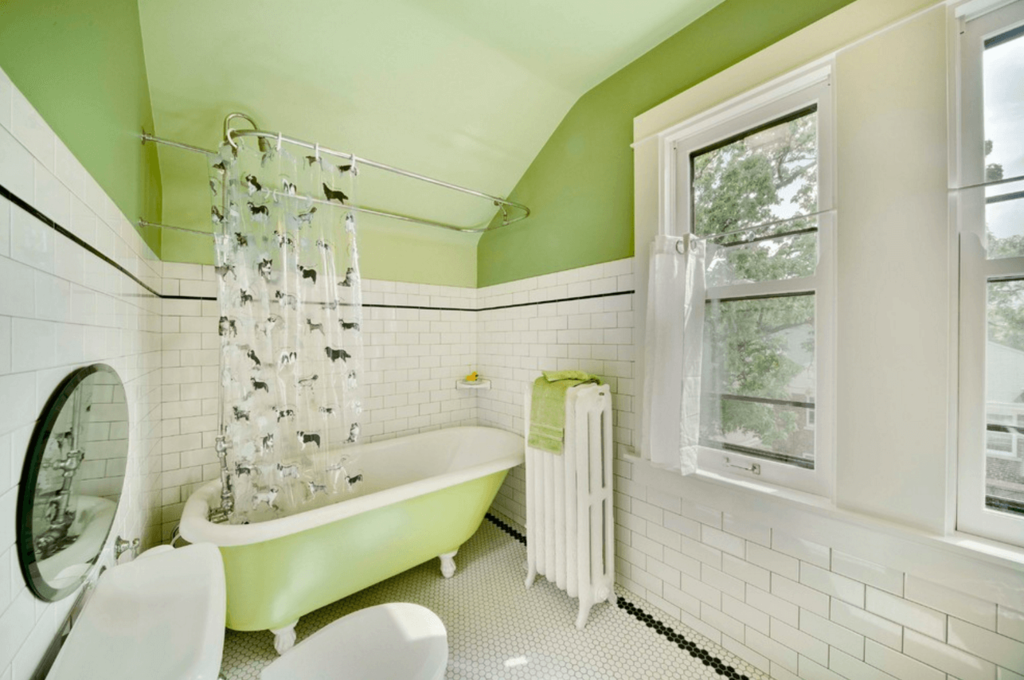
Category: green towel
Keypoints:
(547, 407)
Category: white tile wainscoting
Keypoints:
(578, 319)
(790, 605)
(63, 306)
(829, 604)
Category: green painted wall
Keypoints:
(81, 66)
(580, 186)
(388, 251)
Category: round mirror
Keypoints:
(72, 481)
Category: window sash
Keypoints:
(677, 220)
(975, 512)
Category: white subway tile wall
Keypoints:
(821, 614)
(419, 340)
(62, 307)
(789, 606)
(517, 340)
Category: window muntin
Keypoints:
(771, 253)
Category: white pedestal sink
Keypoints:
(160, 617)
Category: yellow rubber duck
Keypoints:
(472, 377)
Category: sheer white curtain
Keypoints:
(670, 426)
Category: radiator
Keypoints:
(570, 537)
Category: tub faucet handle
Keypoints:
(122, 546)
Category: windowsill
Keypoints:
(792, 495)
(994, 552)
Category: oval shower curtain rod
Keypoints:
(230, 134)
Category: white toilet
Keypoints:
(386, 642)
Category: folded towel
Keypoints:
(547, 407)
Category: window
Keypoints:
(755, 182)
(990, 213)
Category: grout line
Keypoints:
(27, 207)
(704, 656)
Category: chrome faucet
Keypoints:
(227, 496)
(58, 514)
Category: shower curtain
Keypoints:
(670, 420)
(290, 322)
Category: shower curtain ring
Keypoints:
(280, 137)
(681, 247)
(316, 151)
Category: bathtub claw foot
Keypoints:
(448, 564)
(284, 638)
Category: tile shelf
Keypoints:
(475, 385)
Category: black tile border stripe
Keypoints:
(518, 304)
(188, 297)
(27, 207)
(442, 309)
(549, 302)
(678, 639)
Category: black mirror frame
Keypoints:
(30, 476)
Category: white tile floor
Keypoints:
(498, 629)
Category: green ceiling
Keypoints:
(463, 90)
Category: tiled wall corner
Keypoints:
(62, 307)
(190, 358)
(541, 324)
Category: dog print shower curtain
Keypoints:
(290, 325)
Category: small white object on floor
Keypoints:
(386, 642)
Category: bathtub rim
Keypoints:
(196, 528)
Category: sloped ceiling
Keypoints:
(463, 90)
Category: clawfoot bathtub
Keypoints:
(422, 496)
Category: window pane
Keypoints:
(1004, 387)
(758, 381)
(1003, 72)
(766, 175)
(785, 251)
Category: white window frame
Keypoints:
(775, 100)
(979, 21)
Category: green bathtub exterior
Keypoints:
(271, 584)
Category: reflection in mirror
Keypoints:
(72, 480)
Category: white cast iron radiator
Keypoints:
(569, 522)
